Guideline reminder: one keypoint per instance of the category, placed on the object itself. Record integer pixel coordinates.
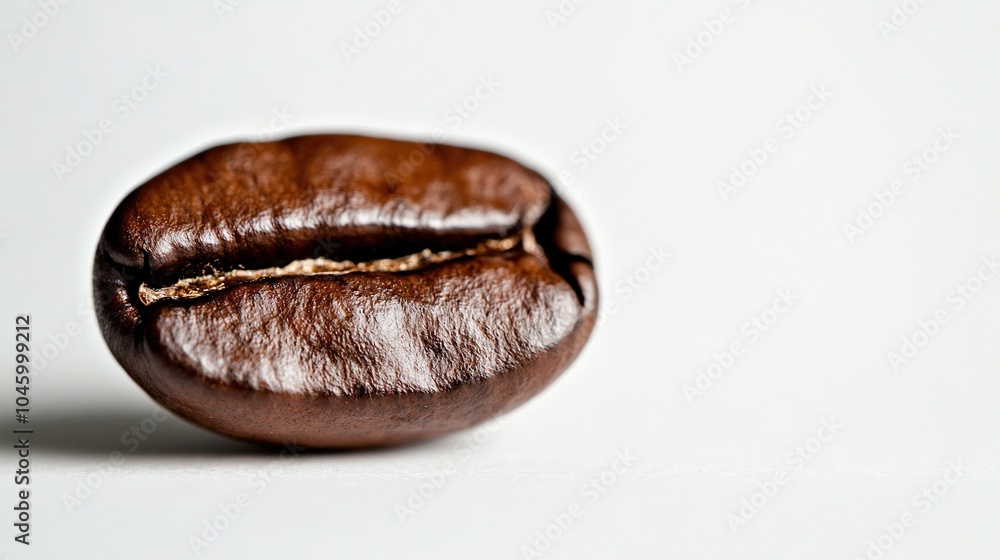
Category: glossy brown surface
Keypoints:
(363, 291)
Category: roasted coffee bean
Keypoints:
(344, 291)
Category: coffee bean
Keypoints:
(316, 291)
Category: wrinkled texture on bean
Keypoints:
(343, 291)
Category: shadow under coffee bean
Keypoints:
(303, 291)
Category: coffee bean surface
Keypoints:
(344, 291)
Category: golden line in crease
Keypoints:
(190, 288)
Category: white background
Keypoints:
(655, 185)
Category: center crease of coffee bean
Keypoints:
(190, 288)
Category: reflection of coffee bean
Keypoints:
(288, 292)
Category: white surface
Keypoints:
(655, 186)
